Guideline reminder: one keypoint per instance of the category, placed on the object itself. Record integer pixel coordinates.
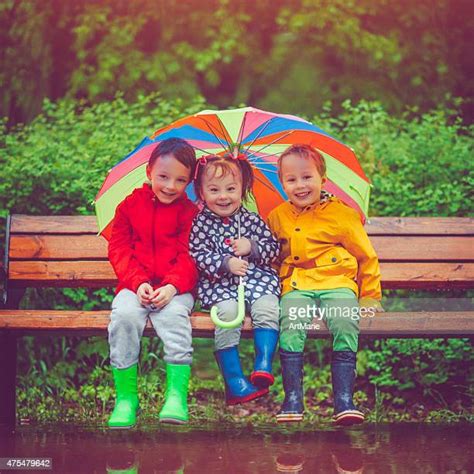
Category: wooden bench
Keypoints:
(65, 251)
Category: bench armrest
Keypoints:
(3, 285)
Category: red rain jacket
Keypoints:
(149, 242)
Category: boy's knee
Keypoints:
(344, 326)
(177, 310)
(183, 303)
(122, 322)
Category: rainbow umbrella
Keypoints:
(262, 136)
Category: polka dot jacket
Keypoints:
(210, 248)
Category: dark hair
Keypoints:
(177, 147)
(226, 164)
(305, 151)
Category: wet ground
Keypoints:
(403, 448)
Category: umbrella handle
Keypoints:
(237, 321)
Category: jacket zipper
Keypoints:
(153, 241)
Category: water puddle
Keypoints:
(403, 448)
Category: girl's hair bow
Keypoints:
(200, 162)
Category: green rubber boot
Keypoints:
(175, 409)
(126, 402)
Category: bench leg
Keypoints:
(7, 379)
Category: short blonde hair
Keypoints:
(305, 151)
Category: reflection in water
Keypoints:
(122, 462)
(371, 448)
(346, 458)
(289, 463)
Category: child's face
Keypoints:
(222, 193)
(168, 177)
(301, 180)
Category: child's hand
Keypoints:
(163, 295)
(241, 247)
(144, 293)
(237, 266)
(372, 304)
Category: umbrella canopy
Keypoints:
(262, 136)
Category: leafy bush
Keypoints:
(420, 165)
(437, 371)
(57, 163)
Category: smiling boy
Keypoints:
(326, 258)
(148, 250)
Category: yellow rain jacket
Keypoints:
(324, 247)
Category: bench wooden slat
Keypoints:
(100, 273)
(53, 224)
(423, 248)
(87, 246)
(427, 275)
(422, 324)
(375, 226)
(55, 247)
(420, 226)
(53, 273)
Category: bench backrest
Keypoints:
(65, 251)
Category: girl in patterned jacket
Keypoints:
(222, 183)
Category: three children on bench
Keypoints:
(314, 248)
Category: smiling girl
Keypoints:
(221, 183)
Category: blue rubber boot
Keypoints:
(237, 388)
(292, 374)
(343, 372)
(265, 341)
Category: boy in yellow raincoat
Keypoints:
(329, 272)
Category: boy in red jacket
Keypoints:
(148, 250)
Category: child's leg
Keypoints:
(265, 314)
(295, 313)
(173, 326)
(238, 389)
(224, 338)
(127, 322)
(340, 310)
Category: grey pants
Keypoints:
(264, 313)
(171, 323)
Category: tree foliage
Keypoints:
(286, 55)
